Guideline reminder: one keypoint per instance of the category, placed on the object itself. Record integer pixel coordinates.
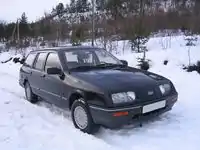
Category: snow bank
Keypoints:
(172, 49)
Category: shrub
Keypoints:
(42, 43)
(165, 62)
(16, 59)
(194, 67)
(144, 64)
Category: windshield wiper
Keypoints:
(107, 65)
(104, 65)
(82, 68)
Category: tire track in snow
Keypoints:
(41, 103)
(18, 95)
(51, 128)
(8, 75)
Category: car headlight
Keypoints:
(125, 97)
(165, 88)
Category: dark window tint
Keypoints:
(40, 61)
(30, 59)
(52, 61)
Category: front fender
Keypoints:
(89, 97)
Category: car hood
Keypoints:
(117, 80)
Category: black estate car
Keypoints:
(98, 88)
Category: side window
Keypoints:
(40, 61)
(52, 61)
(71, 57)
(30, 59)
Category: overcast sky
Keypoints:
(10, 10)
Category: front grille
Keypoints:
(147, 94)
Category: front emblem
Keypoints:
(150, 93)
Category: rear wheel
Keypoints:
(82, 118)
(30, 96)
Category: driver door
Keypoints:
(54, 85)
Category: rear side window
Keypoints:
(30, 59)
(71, 57)
(52, 61)
(40, 61)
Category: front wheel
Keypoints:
(82, 118)
(30, 96)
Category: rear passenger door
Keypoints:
(53, 84)
(38, 73)
(26, 70)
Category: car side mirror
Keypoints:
(54, 71)
(124, 62)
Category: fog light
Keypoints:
(118, 114)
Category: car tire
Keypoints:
(30, 96)
(82, 118)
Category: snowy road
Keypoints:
(24, 126)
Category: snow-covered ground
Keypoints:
(40, 127)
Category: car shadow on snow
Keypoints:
(67, 114)
(162, 120)
(125, 130)
(159, 123)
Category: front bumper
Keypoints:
(104, 116)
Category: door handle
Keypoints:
(30, 73)
(43, 76)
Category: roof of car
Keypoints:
(65, 48)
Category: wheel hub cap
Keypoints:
(28, 93)
(80, 117)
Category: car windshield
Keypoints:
(90, 58)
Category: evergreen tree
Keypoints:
(2, 31)
(32, 30)
(115, 7)
(9, 30)
(60, 9)
(72, 6)
(100, 5)
(82, 6)
(77, 36)
(138, 38)
(24, 29)
(140, 33)
(191, 40)
(44, 28)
